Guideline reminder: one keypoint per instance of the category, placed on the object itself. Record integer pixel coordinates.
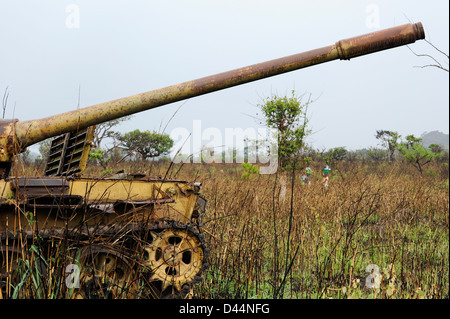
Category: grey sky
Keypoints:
(120, 48)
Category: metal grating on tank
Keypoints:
(69, 153)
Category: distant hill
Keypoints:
(435, 137)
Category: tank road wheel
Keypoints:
(175, 258)
(105, 274)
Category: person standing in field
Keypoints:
(306, 178)
(308, 175)
(326, 171)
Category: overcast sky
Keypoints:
(112, 49)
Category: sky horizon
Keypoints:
(59, 55)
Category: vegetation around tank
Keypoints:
(373, 212)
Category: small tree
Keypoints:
(287, 115)
(389, 139)
(104, 130)
(103, 155)
(147, 144)
(415, 153)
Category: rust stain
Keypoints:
(380, 40)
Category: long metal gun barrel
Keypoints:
(16, 135)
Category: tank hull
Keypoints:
(84, 221)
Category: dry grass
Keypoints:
(272, 238)
(318, 243)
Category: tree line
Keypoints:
(287, 115)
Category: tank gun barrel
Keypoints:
(15, 135)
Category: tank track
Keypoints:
(128, 244)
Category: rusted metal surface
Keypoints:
(7, 140)
(381, 40)
(34, 187)
(69, 153)
(30, 132)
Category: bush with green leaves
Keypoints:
(415, 153)
(146, 144)
(287, 115)
(250, 170)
